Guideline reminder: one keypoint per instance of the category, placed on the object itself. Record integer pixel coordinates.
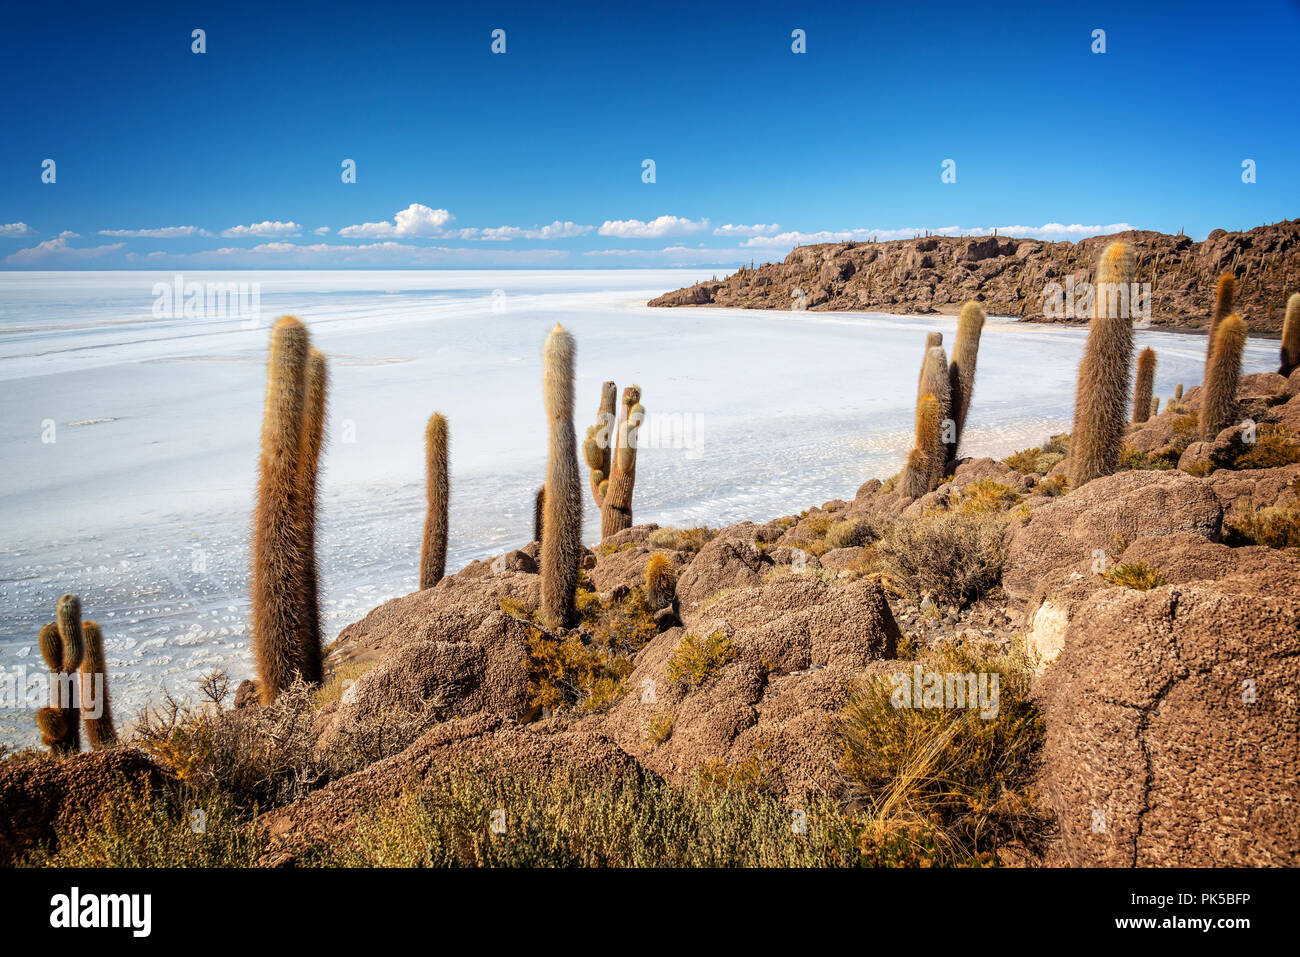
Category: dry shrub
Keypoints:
(695, 659)
(986, 495)
(955, 556)
(956, 778)
(1275, 527)
(1136, 575)
(564, 672)
(681, 540)
(850, 533)
(1274, 446)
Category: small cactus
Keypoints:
(598, 447)
(1224, 294)
(1155, 406)
(660, 581)
(926, 461)
(616, 511)
(1144, 386)
(57, 723)
(561, 551)
(278, 589)
(1219, 403)
(1291, 335)
(95, 710)
(1102, 391)
(68, 615)
(1178, 392)
(961, 373)
(433, 553)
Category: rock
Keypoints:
(721, 564)
(1105, 516)
(247, 695)
(39, 796)
(1260, 488)
(1172, 713)
(842, 559)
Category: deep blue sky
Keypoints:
(849, 136)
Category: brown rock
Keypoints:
(723, 563)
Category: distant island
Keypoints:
(1014, 277)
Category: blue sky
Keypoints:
(465, 158)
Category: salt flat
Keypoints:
(142, 502)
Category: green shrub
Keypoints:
(1274, 446)
(849, 533)
(1275, 527)
(986, 495)
(682, 540)
(1137, 575)
(695, 659)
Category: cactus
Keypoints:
(94, 691)
(1219, 403)
(68, 615)
(561, 551)
(1101, 395)
(1155, 406)
(433, 553)
(599, 444)
(278, 587)
(933, 339)
(316, 388)
(1224, 294)
(539, 510)
(57, 732)
(1144, 385)
(1291, 335)
(961, 373)
(1178, 392)
(616, 512)
(926, 461)
(660, 581)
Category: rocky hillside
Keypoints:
(936, 274)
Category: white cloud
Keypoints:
(68, 234)
(759, 229)
(415, 220)
(556, 230)
(654, 229)
(162, 232)
(266, 229)
(9, 230)
(678, 256)
(321, 230)
(57, 252)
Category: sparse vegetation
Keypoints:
(1136, 575)
(986, 495)
(849, 533)
(955, 556)
(681, 539)
(695, 659)
(1274, 446)
(1275, 527)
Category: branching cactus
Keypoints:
(96, 712)
(278, 586)
(57, 732)
(616, 512)
(1291, 335)
(1219, 403)
(433, 553)
(561, 551)
(961, 373)
(1102, 392)
(599, 445)
(1224, 294)
(1144, 385)
(313, 439)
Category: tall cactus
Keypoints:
(1219, 403)
(1102, 392)
(616, 511)
(561, 552)
(1291, 335)
(433, 553)
(1144, 385)
(1224, 293)
(95, 708)
(598, 448)
(926, 461)
(278, 586)
(316, 388)
(961, 373)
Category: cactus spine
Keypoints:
(539, 511)
(1219, 404)
(616, 512)
(278, 586)
(316, 388)
(1224, 294)
(58, 733)
(561, 552)
(660, 582)
(1144, 385)
(1291, 335)
(961, 373)
(926, 461)
(95, 710)
(1101, 396)
(433, 553)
